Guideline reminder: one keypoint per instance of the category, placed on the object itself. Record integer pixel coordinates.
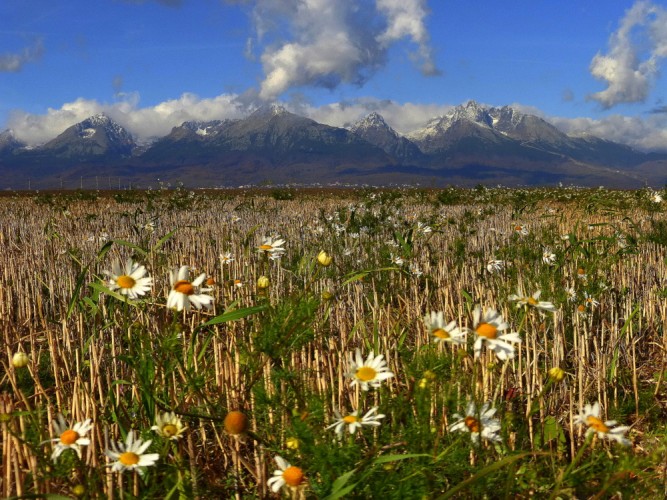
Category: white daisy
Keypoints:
(494, 265)
(169, 425)
(354, 422)
(548, 257)
(286, 474)
(521, 229)
(184, 292)
(369, 373)
(590, 416)
(226, 258)
(130, 279)
(129, 455)
(478, 423)
(533, 301)
(487, 327)
(273, 247)
(442, 332)
(72, 438)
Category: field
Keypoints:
(350, 344)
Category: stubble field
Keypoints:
(334, 344)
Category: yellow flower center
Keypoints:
(184, 287)
(531, 301)
(210, 281)
(518, 228)
(366, 373)
(169, 430)
(265, 247)
(293, 476)
(581, 308)
(128, 458)
(69, 437)
(487, 330)
(125, 281)
(350, 419)
(581, 271)
(596, 424)
(472, 424)
(441, 334)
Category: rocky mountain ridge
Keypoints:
(471, 142)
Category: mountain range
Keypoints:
(471, 144)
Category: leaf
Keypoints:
(77, 290)
(235, 315)
(338, 489)
(102, 289)
(485, 471)
(128, 244)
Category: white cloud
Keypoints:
(644, 134)
(13, 62)
(325, 43)
(402, 117)
(144, 123)
(405, 19)
(629, 76)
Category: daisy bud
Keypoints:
(292, 443)
(20, 360)
(556, 374)
(327, 295)
(79, 490)
(324, 259)
(263, 283)
(236, 423)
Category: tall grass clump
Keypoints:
(276, 343)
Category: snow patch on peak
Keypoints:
(87, 133)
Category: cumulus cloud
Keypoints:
(144, 123)
(402, 117)
(323, 43)
(642, 133)
(13, 62)
(636, 49)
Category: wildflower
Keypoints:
(169, 425)
(292, 443)
(478, 423)
(423, 228)
(571, 294)
(656, 197)
(396, 260)
(548, 257)
(521, 229)
(532, 301)
(286, 474)
(435, 324)
(263, 282)
(237, 283)
(369, 373)
(226, 258)
(590, 416)
(415, 270)
(236, 422)
(556, 374)
(590, 301)
(324, 259)
(129, 455)
(494, 266)
(130, 280)
(20, 359)
(273, 247)
(354, 422)
(72, 438)
(487, 327)
(184, 293)
(581, 273)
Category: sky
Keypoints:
(584, 65)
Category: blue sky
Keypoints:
(587, 66)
